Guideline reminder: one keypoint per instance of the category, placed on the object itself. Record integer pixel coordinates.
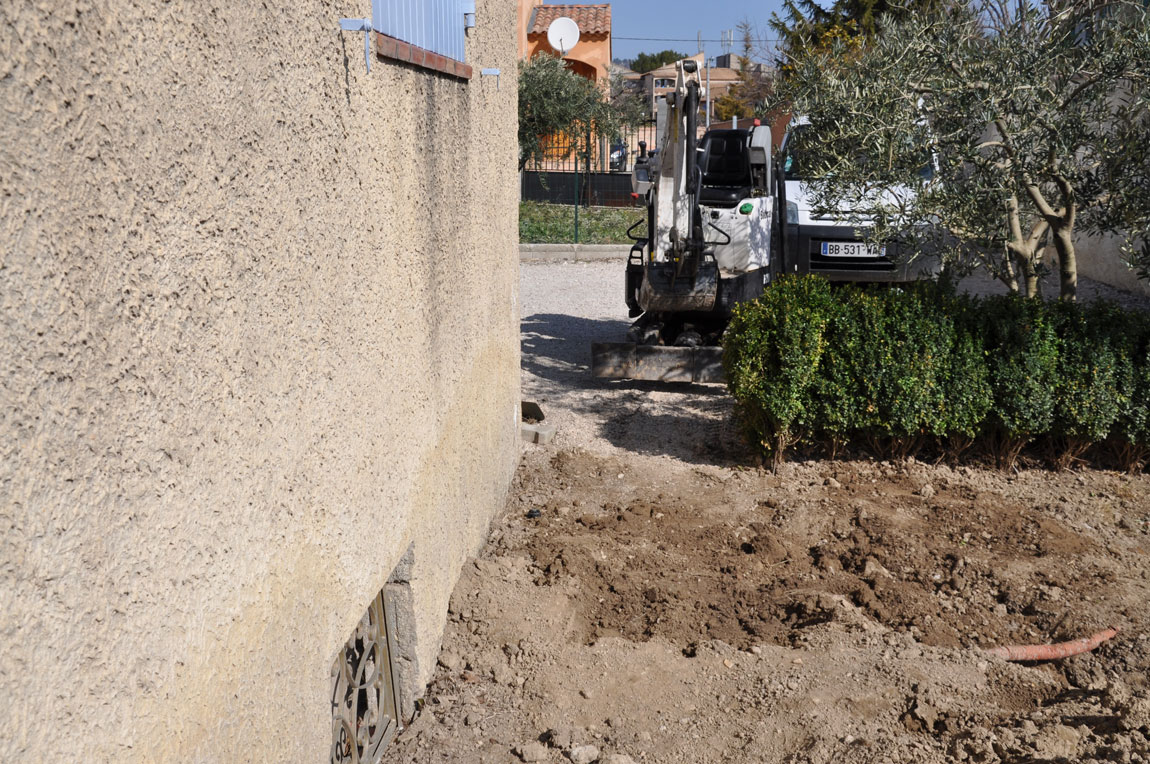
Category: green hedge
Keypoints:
(900, 369)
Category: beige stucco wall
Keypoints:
(258, 335)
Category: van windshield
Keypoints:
(792, 161)
(794, 167)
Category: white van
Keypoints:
(829, 244)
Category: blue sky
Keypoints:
(682, 20)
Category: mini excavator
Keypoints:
(714, 238)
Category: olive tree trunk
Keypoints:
(1067, 262)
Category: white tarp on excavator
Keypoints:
(750, 246)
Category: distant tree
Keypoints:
(1033, 116)
(745, 98)
(805, 23)
(646, 62)
(629, 104)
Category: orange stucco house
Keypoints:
(591, 57)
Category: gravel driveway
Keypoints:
(565, 307)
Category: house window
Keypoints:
(427, 33)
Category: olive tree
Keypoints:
(553, 99)
(753, 86)
(1131, 200)
(987, 131)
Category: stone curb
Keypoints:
(576, 252)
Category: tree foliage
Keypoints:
(646, 62)
(1033, 116)
(1130, 200)
(806, 24)
(628, 102)
(553, 100)
(753, 88)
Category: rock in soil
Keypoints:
(533, 751)
(583, 754)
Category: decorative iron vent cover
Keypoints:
(365, 697)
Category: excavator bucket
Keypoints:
(664, 291)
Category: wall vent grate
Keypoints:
(365, 694)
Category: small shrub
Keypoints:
(772, 354)
(1023, 362)
(969, 397)
(1134, 424)
(899, 370)
(1129, 335)
(883, 376)
(844, 397)
(1087, 400)
(916, 340)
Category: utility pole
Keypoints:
(707, 63)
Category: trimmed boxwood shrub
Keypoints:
(1129, 334)
(1088, 399)
(844, 394)
(1022, 358)
(969, 397)
(886, 375)
(895, 368)
(773, 352)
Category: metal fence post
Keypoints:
(576, 190)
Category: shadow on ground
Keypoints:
(557, 347)
(690, 422)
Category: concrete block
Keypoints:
(537, 433)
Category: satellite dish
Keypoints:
(563, 34)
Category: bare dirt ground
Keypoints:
(673, 602)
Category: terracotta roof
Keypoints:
(592, 19)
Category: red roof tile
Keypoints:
(592, 19)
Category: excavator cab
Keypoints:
(726, 168)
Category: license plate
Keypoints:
(849, 249)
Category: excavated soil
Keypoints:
(651, 595)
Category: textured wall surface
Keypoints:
(258, 336)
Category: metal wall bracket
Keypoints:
(360, 25)
(492, 73)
